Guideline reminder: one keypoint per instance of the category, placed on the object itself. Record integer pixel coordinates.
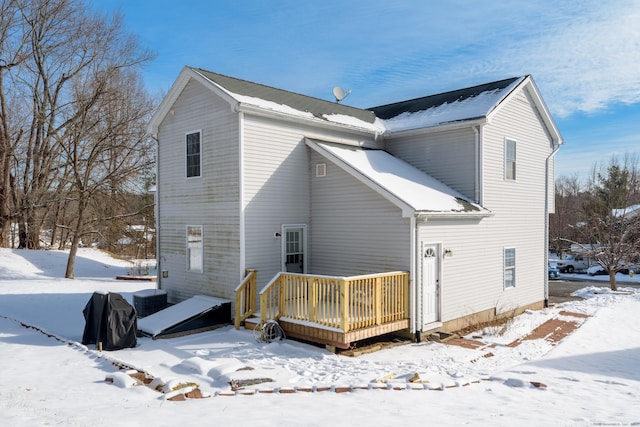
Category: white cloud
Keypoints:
(588, 61)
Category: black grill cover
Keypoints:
(111, 320)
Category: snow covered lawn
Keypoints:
(592, 377)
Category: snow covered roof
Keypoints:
(415, 192)
(295, 104)
(459, 105)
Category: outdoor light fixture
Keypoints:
(448, 253)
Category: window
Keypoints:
(194, 248)
(509, 159)
(194, 153)
(509, 267)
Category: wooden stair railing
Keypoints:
(245, 298)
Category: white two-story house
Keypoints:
(422, 215)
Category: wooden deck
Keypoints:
(337, 310)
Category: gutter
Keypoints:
(437, 127)
(240, 107)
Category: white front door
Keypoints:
(294, 244)
(430, 282)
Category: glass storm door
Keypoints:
(294, 248)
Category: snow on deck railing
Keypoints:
(344, 303)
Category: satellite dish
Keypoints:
(340, 94)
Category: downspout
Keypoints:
(156, 212)
(241, 193)
(413, 309)
(479, 170)
(546, 223)
(476, 132)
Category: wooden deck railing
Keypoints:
(344, 303)
(245, 298)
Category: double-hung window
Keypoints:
(194, 153)
(509, 267)
(195, 252)
(509, 159)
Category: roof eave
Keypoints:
(186, 74)
(424, 215)
(527, 81)
(441, 127)
(315, 121)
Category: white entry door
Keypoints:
(294, 247)
(430, 282)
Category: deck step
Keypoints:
(252, 323)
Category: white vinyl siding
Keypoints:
(211, 201)
(354, 230)
(277, 189)
(193, 142)
(518, 210)
(518, 205)
(448, 156)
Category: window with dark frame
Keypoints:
(193, 154)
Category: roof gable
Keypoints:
(390, 111)
(462, 106)
(250, 92)
(469, 104)
(412, 190)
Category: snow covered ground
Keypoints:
(47, 377)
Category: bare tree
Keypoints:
(67, 54)
(13, 53)
(107, 149)
(569, 197)
(611, 226)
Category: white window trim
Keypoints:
(188, 253)
(198, 131)
(506, 160)
(504, 267)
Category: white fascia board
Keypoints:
(168, 100)
(179, 84)
(424, 216)
(310, 121)
(407, 210)
(438, 128)
(528, 83)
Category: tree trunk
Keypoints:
(22, 235)
(75, 240)
(71, 260)
(33, 233)
(612, 280)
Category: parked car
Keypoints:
(598, 270)
(553, 271)
(571, 265)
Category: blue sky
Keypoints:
(584, 55)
